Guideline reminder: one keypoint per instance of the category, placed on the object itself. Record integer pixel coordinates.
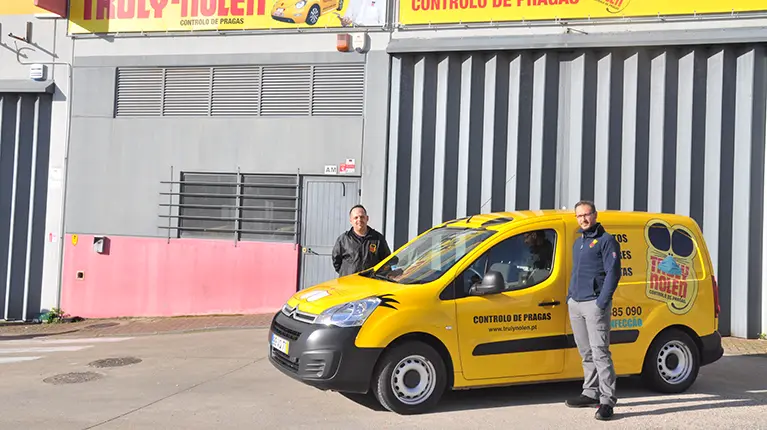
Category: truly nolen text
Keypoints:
(144, 9)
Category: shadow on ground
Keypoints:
(34, 336)
(728, 383)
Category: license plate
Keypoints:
(280, 344)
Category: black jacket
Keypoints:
(596, 267)
(352, 253)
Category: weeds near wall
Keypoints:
(54, 316)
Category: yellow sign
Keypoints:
(19, 7)
(111, 16)
(74, 240)
(414, 12)
(671, 258)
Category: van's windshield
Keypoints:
(430, 256)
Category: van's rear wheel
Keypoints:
(672, 363)
(411, 378)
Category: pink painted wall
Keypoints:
(151, 277)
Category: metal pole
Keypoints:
(170, 200)
(237, 209)
(299, 200)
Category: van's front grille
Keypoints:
(282, 331)
(285, 361)
(304, 317)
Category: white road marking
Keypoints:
(43, 349)
(64, 341)
(6, 360)
(32, 349)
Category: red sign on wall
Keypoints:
(348, 167)
(59, 7)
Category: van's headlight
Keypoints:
(300, 4)
(352, 314)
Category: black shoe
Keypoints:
(581, 402)
(605, 412)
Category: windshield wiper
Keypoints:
(377, 275)
(419, 281)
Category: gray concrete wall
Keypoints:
(118, 163)
(374, 149)
(46, 35)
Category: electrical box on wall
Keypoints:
(360, 42)
(348, 42)
(101, 245)
(37, 72)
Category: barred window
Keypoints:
(269, 207)
(241, 206)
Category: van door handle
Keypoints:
(554, 303)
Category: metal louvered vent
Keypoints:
(236, 91)
(187, 91)
(139, 92)
(286, 90)
(338, 90)
(274, 91)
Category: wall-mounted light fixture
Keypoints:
(348, 42)
(344, 42)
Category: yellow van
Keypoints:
(428, 319)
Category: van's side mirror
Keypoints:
(492, 283)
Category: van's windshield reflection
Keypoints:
(430, 256)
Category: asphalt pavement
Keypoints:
(222, 379)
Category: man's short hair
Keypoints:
(588, 203)
(358, 206)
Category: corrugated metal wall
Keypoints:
(662, 129)
(25, 122)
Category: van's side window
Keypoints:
(524, 260)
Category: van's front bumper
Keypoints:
(712, 348)
(321, 356)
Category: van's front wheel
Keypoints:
(672, 362)
(410, 379)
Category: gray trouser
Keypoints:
(591, 328)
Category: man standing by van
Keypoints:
(595, 276)
(360, 247)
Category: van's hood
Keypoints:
(323, 296)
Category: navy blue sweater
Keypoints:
(596, 267)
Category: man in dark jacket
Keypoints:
(541, 250)
(595, 276)
(360, 247)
